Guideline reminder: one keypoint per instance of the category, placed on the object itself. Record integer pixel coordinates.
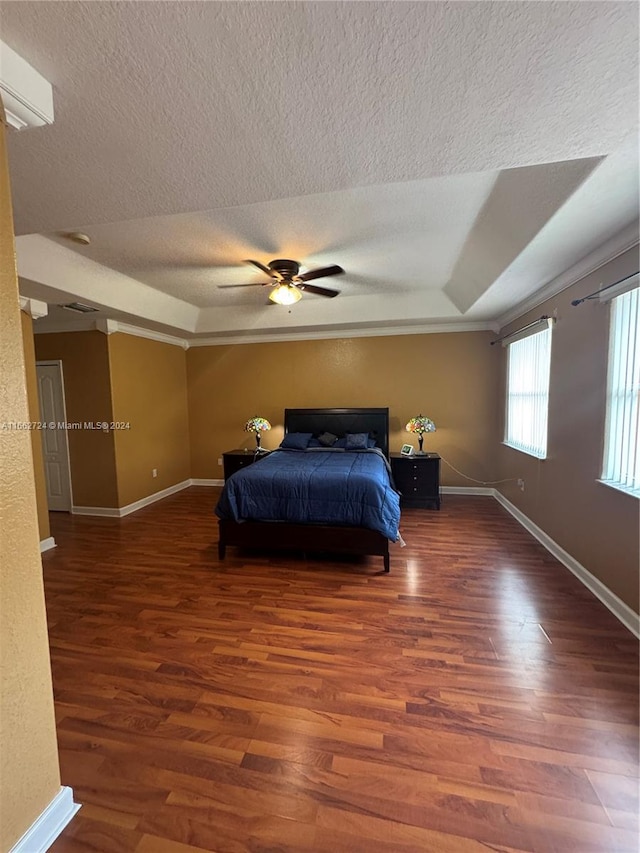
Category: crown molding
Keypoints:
(109, 327)
(332, 334)
(34, 307)
(608, 251)
(150, 334)
(26, 95)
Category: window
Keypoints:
(621, 464)
(528, 364)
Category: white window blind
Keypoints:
(621, 464)
(528, 365)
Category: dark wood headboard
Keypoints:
(340, 422)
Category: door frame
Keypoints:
(57, 362)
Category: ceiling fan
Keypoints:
(287, 283)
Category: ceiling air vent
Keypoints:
(80, 307)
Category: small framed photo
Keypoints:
(407, 450)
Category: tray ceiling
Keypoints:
(452, 157)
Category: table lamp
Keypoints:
(257, 425)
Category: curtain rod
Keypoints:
(576, 302)
(521, 329)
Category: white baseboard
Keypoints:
(151, 499)
(629, 618)
(120, 512)
(199, 482)
(48, 826)
(47, 544)
(467, 490)
(106, 511)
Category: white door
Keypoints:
(54, 437)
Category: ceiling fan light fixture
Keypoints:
(285, 294)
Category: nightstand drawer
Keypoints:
(414, 475)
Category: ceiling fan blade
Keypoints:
(321, 291)
(262, 267)
(320, 273)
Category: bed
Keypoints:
(316, 480)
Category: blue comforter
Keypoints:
(351, 488)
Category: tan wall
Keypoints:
(85, 367)
(34, 417)
(149, 391)
(597, 525)
(452, 378)
(29, 775)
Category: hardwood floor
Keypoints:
(478, 698)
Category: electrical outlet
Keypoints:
(521, 485)
(219, 460)
(154, 472)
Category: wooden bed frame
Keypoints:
(317, 537)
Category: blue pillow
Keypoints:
(357, 440)
(313, 442)
(371, 442)
(296, 440)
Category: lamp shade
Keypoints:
(421, 424)
(256, 424)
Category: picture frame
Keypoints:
(407, 450)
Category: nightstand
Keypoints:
(418, 479)
(234, 460)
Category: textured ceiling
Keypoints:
(388, 238)
(422, 146)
